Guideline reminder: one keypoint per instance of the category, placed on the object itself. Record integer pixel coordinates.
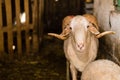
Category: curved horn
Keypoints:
(93, 25)
(63, 35)
(93, 29)
(65, 27)
(105, 33)
(92, 19)
(57, 36)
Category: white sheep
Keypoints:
(80, 42)
(101, 70)
(81, 46)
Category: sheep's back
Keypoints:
(101, 70)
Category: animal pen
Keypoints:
(15, 36)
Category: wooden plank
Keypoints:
(34, 12)
(26, 4)
(40, 23)
(1, 33)
(17, 6)
(40, 17)
(19, 42)
(35, 23)
(8, 12)
(1, 22)
(1, 43)
(22, 27)
(9, 24)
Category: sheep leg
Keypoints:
(67, 70)
(73, 72)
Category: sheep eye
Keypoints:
(67, 24)
(87, 26)
(70, 28)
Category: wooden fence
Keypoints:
(15, 36)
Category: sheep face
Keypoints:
(79, 32)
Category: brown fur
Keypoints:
(92, 19)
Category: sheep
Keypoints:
(101, 70)
(80, 42)
(81, 46)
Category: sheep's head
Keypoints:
(81, 31)
(91, 26)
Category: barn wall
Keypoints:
(108, 19)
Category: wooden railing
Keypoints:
(17, 37)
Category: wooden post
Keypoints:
(1, 22)
(9, 26)
(41, 10)
(26, 4)
(18, 25)
(35, 25)
(1, 33)
(67, 70)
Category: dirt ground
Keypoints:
(48, 64)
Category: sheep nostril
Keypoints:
(80, 46)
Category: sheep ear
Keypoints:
(92, 29)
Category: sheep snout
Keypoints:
(80, 46)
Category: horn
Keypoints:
(65, 29)
(64, 35)
(93, 29)
(92, 19)
(58, 36)
(105, 33)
